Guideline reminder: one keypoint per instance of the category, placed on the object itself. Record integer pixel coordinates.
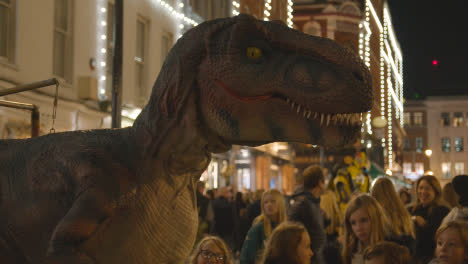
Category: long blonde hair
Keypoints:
(281, 217)
(384, 192)
(329, 204)
(215, 240)
(379, 224)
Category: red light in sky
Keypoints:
(435, 62)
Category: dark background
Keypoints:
(432, 30)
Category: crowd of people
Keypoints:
(386, 225)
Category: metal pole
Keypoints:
(35, 122)
(30, 86)
(117, 70)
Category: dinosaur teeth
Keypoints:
(328, 119)
(288, 100)
(298, 108)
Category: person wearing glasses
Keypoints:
(211, 250)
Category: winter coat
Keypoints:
(254, 244)
(456, 214)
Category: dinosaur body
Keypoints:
(127, 195)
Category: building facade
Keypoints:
(443, 120)
(365, 26)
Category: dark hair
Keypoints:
(282, 244)
(391, 252)
(435, 185)
(312, 176)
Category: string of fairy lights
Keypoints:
(391, 79)
(267, 11)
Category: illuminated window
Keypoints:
(62, 66)
(458, 144)
(419, 168)
(418, 119)
(140, 57)
(457, 119)
(407, 119)
(419, 144)
(445, 119)
(446, 144)
(446, 170)
(406, 144)
(7, 30)
(459, 168)
(406, 168)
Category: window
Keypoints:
(445, 119)
(446, 171)
(459, 168)
(419, 168)
(457, 119)
(458, 144)
(140, 57)
(7, 30)
(407, 119)
(166, 44)
(407, 168)
(446, 144)
(63, 40)
(418, 119)
(110, 47)
(419, 144)
(406, 144)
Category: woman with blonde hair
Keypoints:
(211, 249)
(334, 218)
(273, 214)
(365, 224)
(289, 243)
(403, 228)
(427, 214)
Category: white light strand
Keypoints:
(290, 14)
(101, 47)
(176, 12)
(374, 14)
(368, 123)
(267, 10)
(235, 7)
(390, 93)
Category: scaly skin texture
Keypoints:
(127, 195)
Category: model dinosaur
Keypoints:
(127, 195)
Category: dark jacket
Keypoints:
(305, 208)
(425, 244)
(254, 244)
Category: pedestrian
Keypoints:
(273, 212)
(365, 224)
(224, 212)
(333, 220)
(405, 196)
(402, 225)
(288, 244)
(386, 252)
(305, 209)
(209, 250)
(452, 243)
(427, 214)
(449, 195)
(460, 212)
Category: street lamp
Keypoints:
(428, 152)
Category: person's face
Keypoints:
(404, 198)
(361, 225)
(210, 253)
(426, 193)
(270, 205)
(304, 253)
(450, 248)
(375, 260)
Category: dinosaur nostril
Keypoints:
(359, 76)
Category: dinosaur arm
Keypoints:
(90, 209)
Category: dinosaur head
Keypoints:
(261, 82)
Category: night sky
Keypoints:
(432, 30)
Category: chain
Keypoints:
(54, 109)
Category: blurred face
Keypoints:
(361, 225)
(426, 193)
(270, 205)
(210, 253)
(450, 248)
(404, 198)
(304, 253)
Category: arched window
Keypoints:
(349, 8)
(313, 28)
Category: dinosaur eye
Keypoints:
(254, 53)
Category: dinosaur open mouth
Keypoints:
(350, 119)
